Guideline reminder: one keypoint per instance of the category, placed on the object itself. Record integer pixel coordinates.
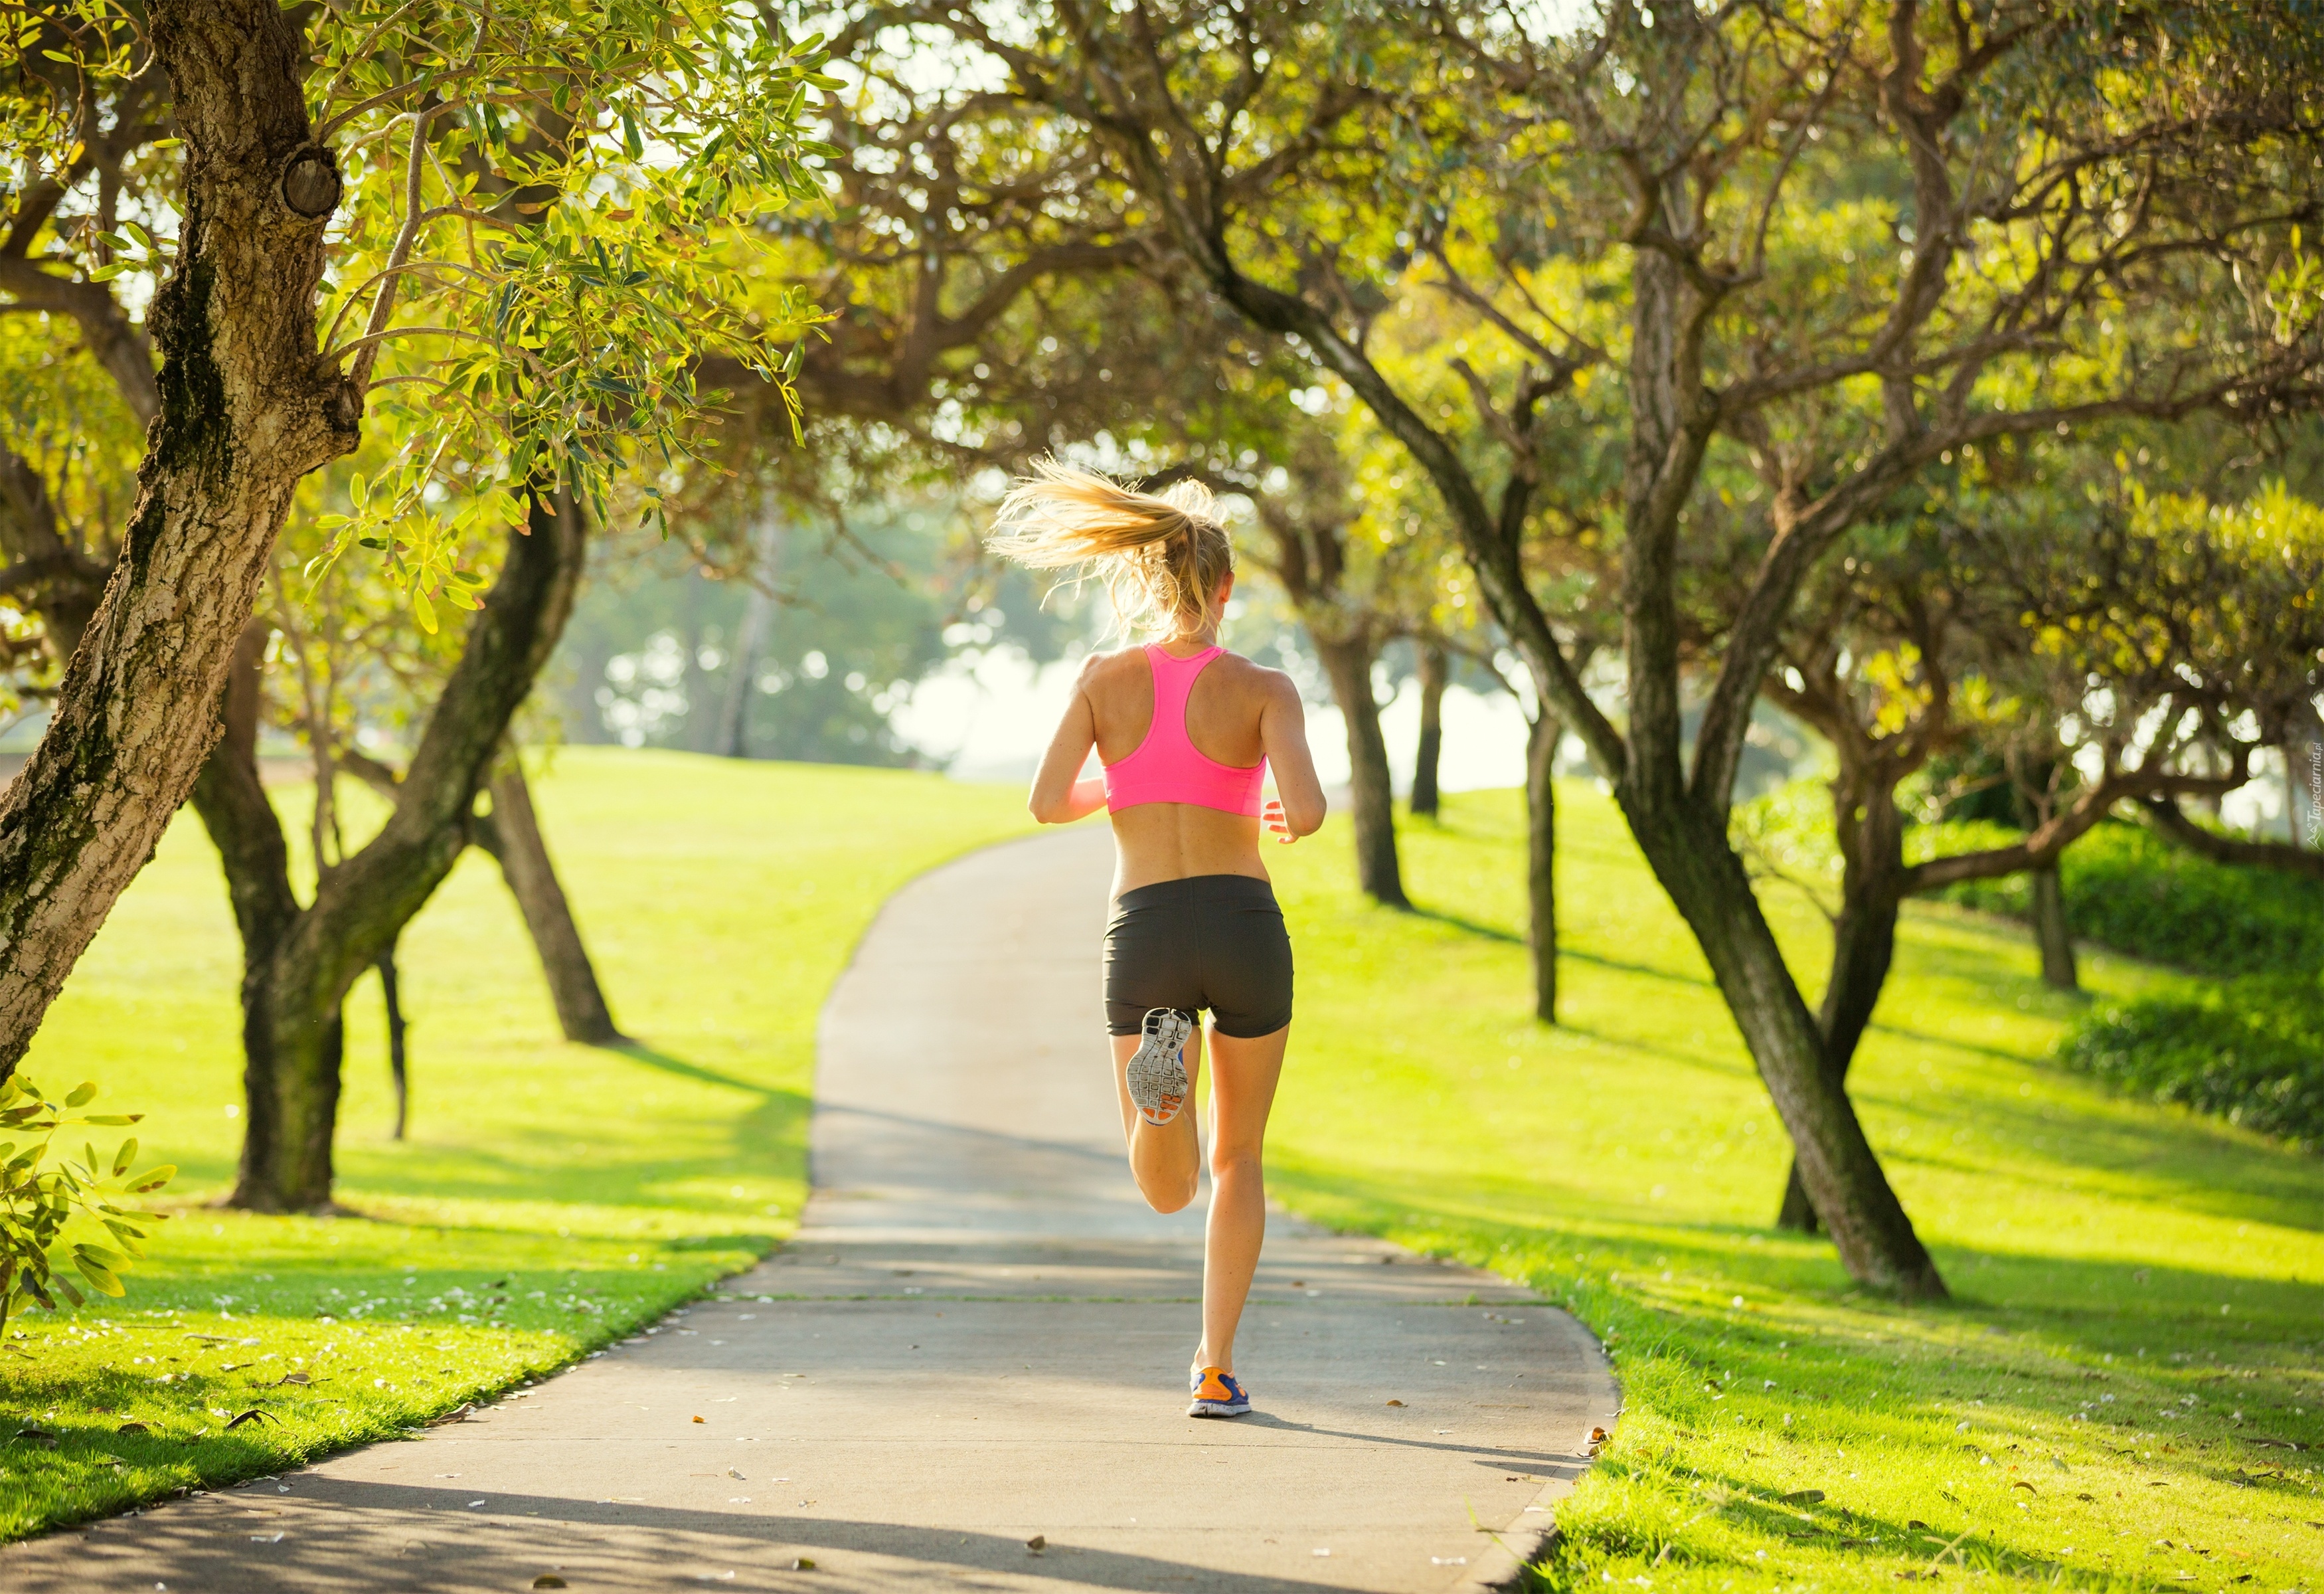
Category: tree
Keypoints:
(2131, 650)
(486, 170)
(1846, 242)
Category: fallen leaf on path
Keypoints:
(1038, 1543)
(701, 1419)
(266, 1538)
(736, 1474)
(252, 1415)
(1803, 1496)
(1396, 1403)
(802, 1564)
(132, 1428)
(549, 1579)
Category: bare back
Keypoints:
(1237, 713)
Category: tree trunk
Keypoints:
(1871, 834)
(2050, 933)
(750, 638)
(1541, 859)
(397, 1072)
(1436, 669)
(299, 979)
(246, 410)
(1852, 1195)
(515, 840)
(1371, 798)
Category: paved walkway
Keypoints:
(978, 1339)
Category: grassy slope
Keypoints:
(2140, 1295)
(549, 1197)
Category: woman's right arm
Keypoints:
(1059, 796)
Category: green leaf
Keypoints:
(124, 1156)
(423, 611)
(112, 1120)
(100, 1277)
(82, 1092)
(153, 1179)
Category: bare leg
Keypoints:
(1243, 1075)
(1164, 1161)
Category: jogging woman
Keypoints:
(1186, 731)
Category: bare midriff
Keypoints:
(1158, 841)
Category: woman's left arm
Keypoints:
(1298, 806)
(1059, 796)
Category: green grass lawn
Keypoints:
(549, 1197)
(2137, 1345)
(2140, 1307)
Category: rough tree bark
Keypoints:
(513, 839)
(1541, 862)
(1435, 670)
(300, 962)
(1371, 804)
(246, 409)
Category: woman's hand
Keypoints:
(1271, 821)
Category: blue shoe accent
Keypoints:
(1217, 1394)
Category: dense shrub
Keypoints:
(2250, 1050)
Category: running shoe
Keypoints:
(1217, 1394)
(1157, 1071)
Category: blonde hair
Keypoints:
(1161, 555)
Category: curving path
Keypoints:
(979, 1336)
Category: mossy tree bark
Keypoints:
(300, 962)
(246, 408)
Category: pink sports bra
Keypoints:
(1166, 767)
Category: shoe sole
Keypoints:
(1156, 1069)
(1217, 1408)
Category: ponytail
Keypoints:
(1161, 555)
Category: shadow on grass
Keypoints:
(2090, 1296)
(543, 1164)
(1468, 926)
(1700, 981)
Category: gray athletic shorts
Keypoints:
(1212, 941)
